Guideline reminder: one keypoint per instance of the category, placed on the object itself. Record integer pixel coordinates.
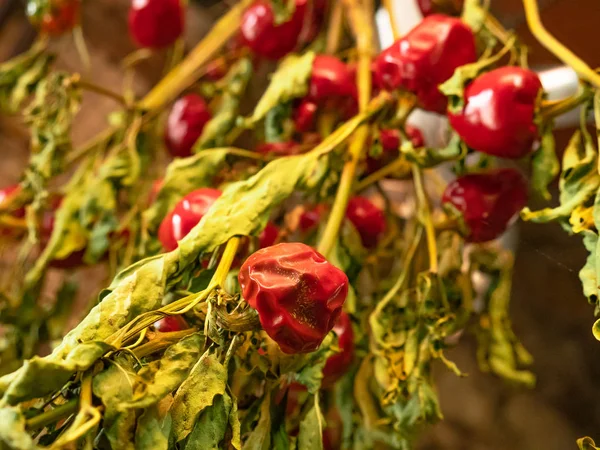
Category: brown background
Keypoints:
(549, 312)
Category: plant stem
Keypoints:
(363, 32)
(425, 213)
(185, 73)
(52, 415)
(334, 32)
(532, 14)
(89, 86)
(218, 279)
(389, 7)
(395, 166)
(550, 110)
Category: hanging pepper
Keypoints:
(498, 116)
(156, 23)
(185, 216)
(390, 145)
(338, 364)
(426, 57)
(170, 323)
(54, 17)
(298, 294)
(185, 123)
(485, 203)
(368, 220)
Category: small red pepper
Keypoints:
(304, 115)
(266, 39)
(498, 117)
(156, 23)
(390, 145)
(7, 192)
(330, 78)
(426, 57)
(185, 123)
(185, 216)
(310, 218)
(170, 323)
(368, 220)
(485, 202)
(298, 294)
(58, 17)
(268, 236)
(338, 364)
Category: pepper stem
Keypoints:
(218, 279)
(52, 415)
(532, 14)
(425, 218)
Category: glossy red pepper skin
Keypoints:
(268, 236)
(426, 57)
(338, 364)
(185, 123)
(450, 7)
(185, 216)
(59, 17)
(368, 220)
(266, 39)
(169, 324)
(486, 202)
(330, 78)
(390, 145)
(304, 115)
(156, 23)
(298, 294)
(498, 117)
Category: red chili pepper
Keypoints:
(266, 39)
(156, 23)
(8, 192)
(268, 236)
(333, 432)
(310, 218)
(298, 294)
(304, 115)
(185, 123)
(338, 364)
(368, 220)
(170, 323)
(57, 18)
(330, 78)
(426, 57)
(498, 117)
(390, 143)
(486, 202)
(450, 7)
(185, 216)
(279, 148)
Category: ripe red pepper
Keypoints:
(304, 115)
(266, 39)
(170, 323)
(185, 123)
(498, 117)
(156, 23)
(426, 57)
(368, 220)
(7, 192)
(185, 216)
(486, 202)
(338, 364)
(330, 78)
(450, 7)
(57, 18)
(390, 143)
(298, 294)
(310, 218)
(268, 236)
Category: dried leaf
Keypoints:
(310, 436)
(154, 426)
(544, 164)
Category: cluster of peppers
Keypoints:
(296, 292)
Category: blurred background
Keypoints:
(549, 312)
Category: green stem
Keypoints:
(52, 415)
(393, 167)
(425, 213)
(550, 110)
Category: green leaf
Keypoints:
(589, 273)
(211, 428)
(544, 163)
(311, 374)
(275, 123)
(224, 120)
(39, 376)
(161, 377)
(154, 426)
(183, 176)
(289, 82)
(579, 181)
(114, 386)
(207, 380)
(586, 443)
(260, 436)
(429, 157)
(12, 430)
(310, 436)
